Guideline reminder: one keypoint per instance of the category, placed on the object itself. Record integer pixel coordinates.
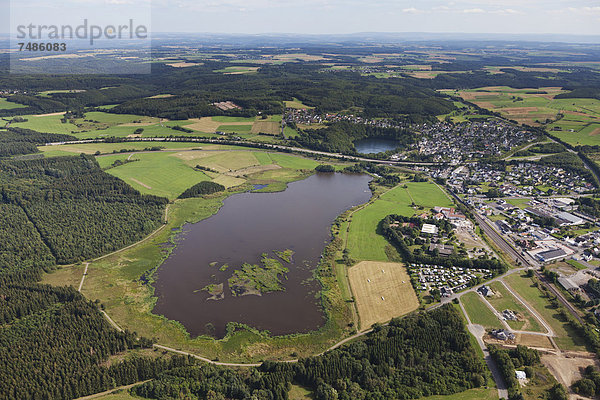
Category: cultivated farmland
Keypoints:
(382, 291)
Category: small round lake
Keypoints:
(374, 145)
(248, 225)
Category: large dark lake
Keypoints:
(373, 146)
(248, 225)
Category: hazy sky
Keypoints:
(336, 16)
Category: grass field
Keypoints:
(503, 300)
(104, 148)
(382, 291)
(295, 103)
(365, 240)
(121, 395)
(235, 128)
(7, 105)
(478, 312)
(298, 392)
(159, 173)
(471, 394)
(567, 338)
(102, 124)
(169, 173)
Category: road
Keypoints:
(251, 144)
(87, 264)
(478, 332)
(531, 310)
(126, 387)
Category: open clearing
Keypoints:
(471, 394)
(567, 367)
(297, 104)
(538, 341)
(158, 173)
(382, 291)
(212, 124)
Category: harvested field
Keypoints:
(519, 110)
(183, 64)
(567, 367)
(537, 341)
(49, 115)
(207, 124)
(382, 291)
(254, 170)
(268, 127)
(595, 132)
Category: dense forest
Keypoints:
(420, 355)
(105, 214)
(201, 189)
(16, 141)
(53, 342)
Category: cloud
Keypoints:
(412, 10)
(506, 11)
(473, 11)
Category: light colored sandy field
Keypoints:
(382, 291)
(268, 127)
(567, 367)
(207, 124)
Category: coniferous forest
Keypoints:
(421, 355)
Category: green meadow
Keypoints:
(159, 173)
(365, 240)
(479, 313)
(7, 105)
(567, 338)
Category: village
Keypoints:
(513, 180)
(465, 141)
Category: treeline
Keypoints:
(325, 168)
(420, 355)
(589, 384)
(104, 213)
(396, 238)
(589, 206)
(509, 360)
(386, 176)
(201, 189)
(339, 137)
(54, 343)
(17, 141)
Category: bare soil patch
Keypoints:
(141, 183)
(566, 367)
